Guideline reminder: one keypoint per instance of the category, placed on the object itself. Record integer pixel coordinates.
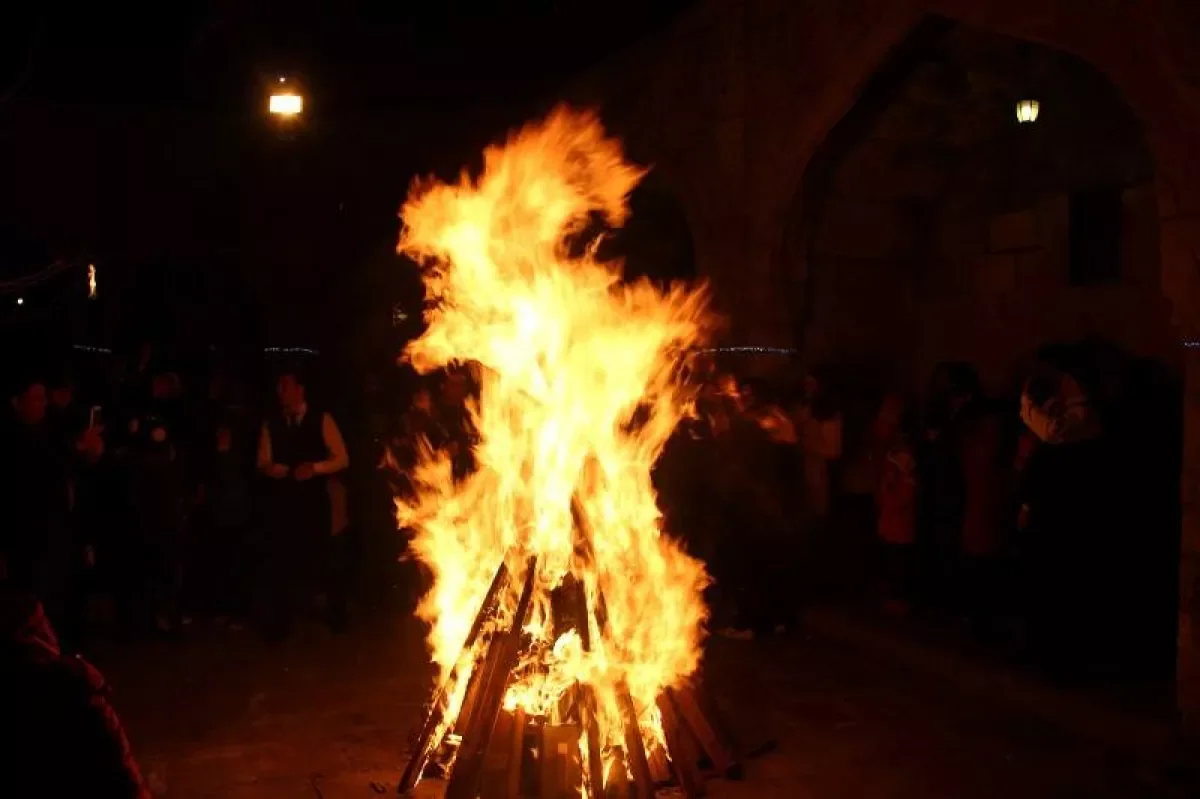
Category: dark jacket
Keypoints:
(62, 735)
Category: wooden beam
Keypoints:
(468, 768)
(635, 749)
(516, 757)
(685, 755)
(702, 729)
(437, 711)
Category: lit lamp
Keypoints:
(1027, 111)
(285, 102)
(91, 281)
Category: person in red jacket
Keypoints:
(58, 718)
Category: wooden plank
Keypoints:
(635, 749)
(496, 762)
(561, 769)
(660, 767)
(437, 711)
(516, 755)
(587, 701)
(616, 785)
(685, 756)
(699, 726)
(720, 724)
(468, 768)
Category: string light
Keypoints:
(743, 350)
(291, 350)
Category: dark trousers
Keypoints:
(301, 557)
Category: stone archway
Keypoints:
(932, 148)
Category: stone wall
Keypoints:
(732, 104)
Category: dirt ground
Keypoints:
(328, 717)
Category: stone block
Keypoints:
(1015, 231)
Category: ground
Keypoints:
(325, 717)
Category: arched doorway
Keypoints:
(932, 226)
(929, 201)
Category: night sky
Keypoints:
(134, 136)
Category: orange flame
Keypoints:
(580, 390)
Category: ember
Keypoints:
(565, 622)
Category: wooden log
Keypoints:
(635, 749)
(712, 712)
(616, 785)
(466, 711)
(468, 770)
(685, 756)
(560, 762)
(437, 712)
(660, 767)
(587, 701)
(516, 756)
(497, 761)
(711, 742)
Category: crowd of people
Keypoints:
(1048, 520)
(1045, 522)
(167, 503)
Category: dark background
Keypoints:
(134, 136)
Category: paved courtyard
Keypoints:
(223, 716)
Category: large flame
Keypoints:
(580, 388)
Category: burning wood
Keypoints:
(565, 623)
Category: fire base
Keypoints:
(494, 753)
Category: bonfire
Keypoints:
(566, 624)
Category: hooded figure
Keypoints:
(60, 723)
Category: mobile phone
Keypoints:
(95, 417)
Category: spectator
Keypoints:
(818, 425)
(58, 719)
(40, 553)
(157, 498)
(299, 448)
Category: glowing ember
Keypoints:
(579, 391)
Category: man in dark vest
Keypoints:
(299, 449)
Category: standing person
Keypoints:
(299, 448)
(157, 484)
(953, 388)
(819, 429)
(988, 483)
(1073, 497)
(37, 546)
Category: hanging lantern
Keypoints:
(91, 281)
(285, 102)
(1027, 111)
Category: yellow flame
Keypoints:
(580, 388)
